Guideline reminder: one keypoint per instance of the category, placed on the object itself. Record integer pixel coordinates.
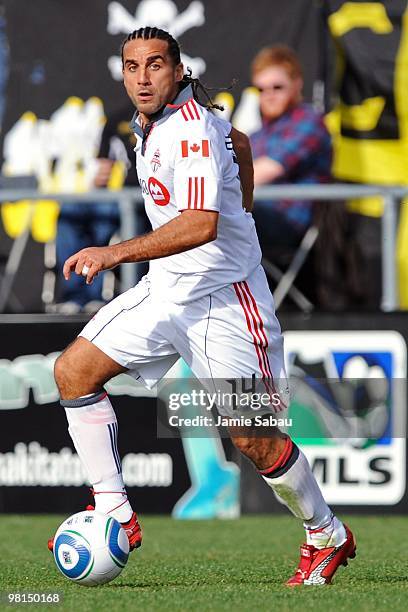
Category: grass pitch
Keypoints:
(213, 565)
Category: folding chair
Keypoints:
(285, 279)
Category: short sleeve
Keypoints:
(224, 126)
(198, 167)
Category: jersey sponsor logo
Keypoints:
(196, 186)
(155, 162)
(158, 192)
(189, 111)
(195, 149)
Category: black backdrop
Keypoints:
(59, 48)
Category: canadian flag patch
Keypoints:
(195, 149)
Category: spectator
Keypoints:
(292, 146)
(82, 224)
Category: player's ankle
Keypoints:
(332, 533)
(111, 498)
(114, 504)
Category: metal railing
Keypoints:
(339, 191)
(129, 198)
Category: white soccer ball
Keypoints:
(91, 548)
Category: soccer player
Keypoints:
(205, 299)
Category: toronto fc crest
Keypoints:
(155, 163)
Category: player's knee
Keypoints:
(70, 375)
(79, 371)
(63, 372)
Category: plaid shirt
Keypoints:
(300, 142)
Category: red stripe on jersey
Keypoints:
(202, 193)
(262, 333)
(238, 290)
(256, 323)
(188, 109)
(190, 181)
(195, 191)
(261, 325)
(194, 107)
(255, 327)
(184, 148)
(195, 198)
(252, 325)
(257, 318)
(205, 148)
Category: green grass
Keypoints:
(214, 565)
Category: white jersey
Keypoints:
(186, 162)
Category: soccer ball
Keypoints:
(91, 548)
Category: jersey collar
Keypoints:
(183, 96)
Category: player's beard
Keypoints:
(148, 108)
(153, 106)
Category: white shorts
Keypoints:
(231, 334)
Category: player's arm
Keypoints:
(267, 170)
(192, 228)
(243, 152)
(285, 154)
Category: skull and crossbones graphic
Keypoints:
(166, 16)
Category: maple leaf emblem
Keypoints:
(195, 148)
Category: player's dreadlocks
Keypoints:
(148, 33)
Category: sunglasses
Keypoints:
(275, 87)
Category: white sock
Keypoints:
(332, 534)
(93, 428)
(111, 498)
(296, 488)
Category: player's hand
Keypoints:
(103, 172)
(89, 262)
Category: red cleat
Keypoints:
(317, 566)
(133, 532)
(132, 528)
